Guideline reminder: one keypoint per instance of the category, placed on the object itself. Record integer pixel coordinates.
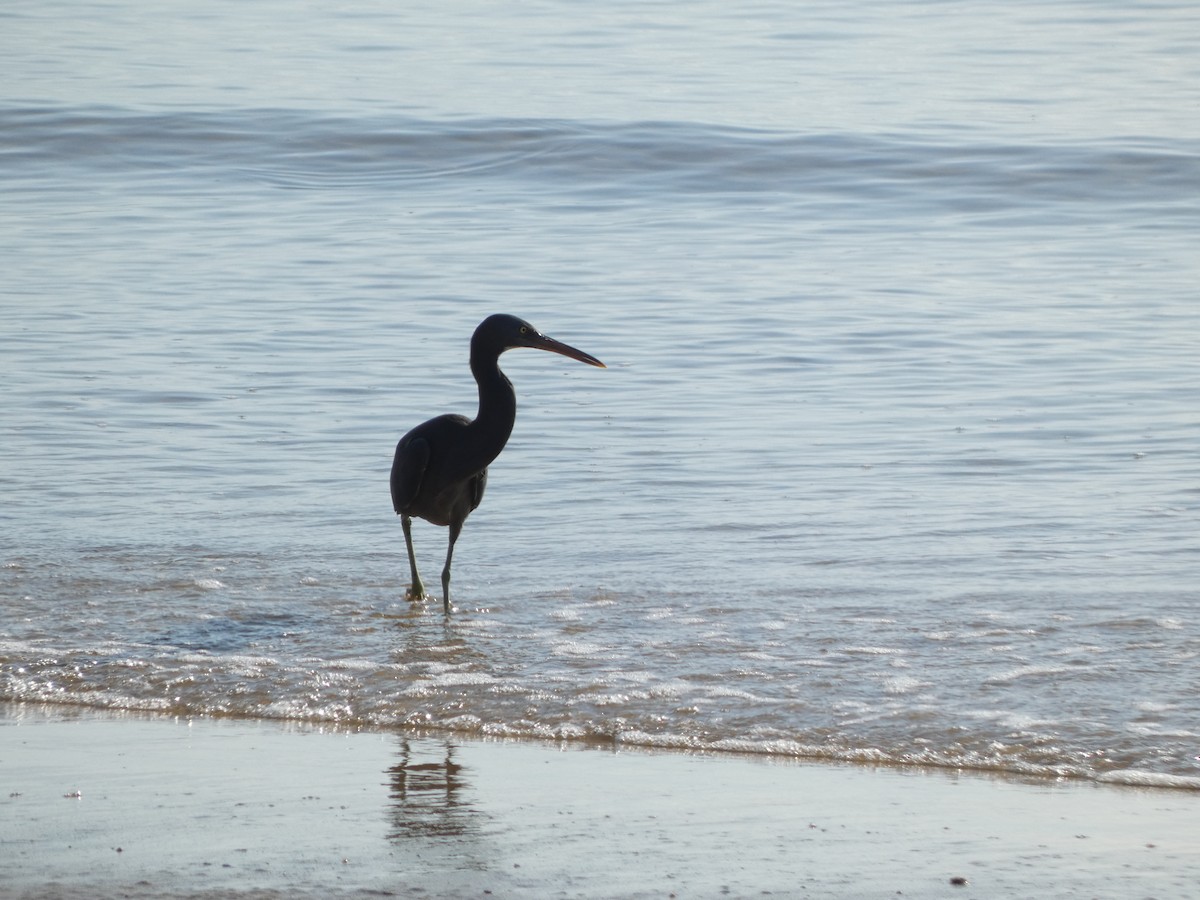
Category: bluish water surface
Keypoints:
(895, 458)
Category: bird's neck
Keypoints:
(497, 409)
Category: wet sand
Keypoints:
(100, 805)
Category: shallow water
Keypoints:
(894, 460)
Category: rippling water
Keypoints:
(895, 458)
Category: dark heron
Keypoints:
(440, 469)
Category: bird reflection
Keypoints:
(427, 789)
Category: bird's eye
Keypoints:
(524, 330)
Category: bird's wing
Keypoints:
(408, 470)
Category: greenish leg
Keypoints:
(455, 528)
(416, 591)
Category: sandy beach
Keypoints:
(99, 805)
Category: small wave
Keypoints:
(293, 149)
(1025, 672)
(904, 684)
(429, 687)
(1136, 778)
(873, 651)
(579, 648)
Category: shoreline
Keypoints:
(107, 804)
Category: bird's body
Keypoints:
(420, 466)
(440, 469)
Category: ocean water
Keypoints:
(895, 459)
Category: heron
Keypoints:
(440, 468)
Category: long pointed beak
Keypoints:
(541, 342)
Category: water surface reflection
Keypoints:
(430, 794)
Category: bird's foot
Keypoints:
(416, 594)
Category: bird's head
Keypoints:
(501, 332)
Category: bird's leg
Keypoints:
(416, 591)
(455, 528)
